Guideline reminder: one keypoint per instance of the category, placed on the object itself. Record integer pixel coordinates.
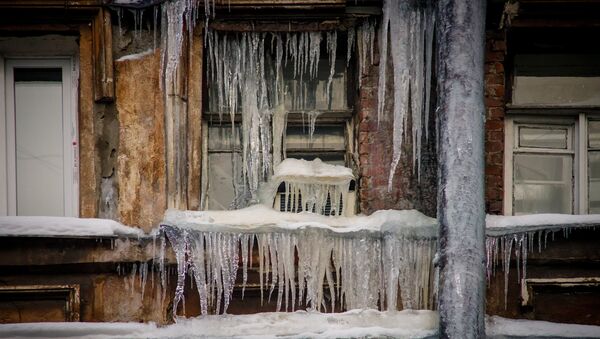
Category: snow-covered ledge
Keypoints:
(499, 225)
(65, 227)
(262, 219)
(366, 257)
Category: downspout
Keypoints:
(461, 211)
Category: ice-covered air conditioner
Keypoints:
(286, 201)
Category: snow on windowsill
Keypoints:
(498, 327)
(136, 56)
(65, 227)
(301, 170)
(498, 225)
(260, 218)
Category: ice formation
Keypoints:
(310, 186)
(335, 262)
(407, 37)
(515, 236)
(262, 76)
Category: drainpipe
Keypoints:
(461, 212)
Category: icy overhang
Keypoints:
(315, 171)
(498, 225)
(65, 227)
(262, 219)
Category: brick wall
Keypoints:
(375, 151)
(494, 126)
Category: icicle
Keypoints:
(350, 45)
(331, 50)
(406, 31)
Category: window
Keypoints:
(316, 121)
(38, 132)
(543, 158)
(553, 135)
(554, 164)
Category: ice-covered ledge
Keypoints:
(498, 225)
(262, 219)
(65, 227)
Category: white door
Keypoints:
(39, 135)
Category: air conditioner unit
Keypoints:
(286, 202)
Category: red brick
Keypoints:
(494, 79)
(499, 45)
(494, 102)
(494, 56)
(494, 125)
(495, 136)
(495, 112)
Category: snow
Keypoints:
(299, 324)
(498, 225)
(498, 327)
(300, 169)
(136, 56)
(65, 227)
(260, 218)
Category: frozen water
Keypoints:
(407, 36)
(339, 259)
(246, 72)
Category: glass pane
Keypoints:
(543, 184)
(557, 79)
(594, 134)
(323, 138)
(305, 94)
(39, 148)
(220, 138)
(594, 182)
(543, 137)
(220, 177)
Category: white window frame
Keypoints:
(70, 131)
(578, 123)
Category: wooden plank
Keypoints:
(104, 87)
(89, 161)
(51, 3)
(194, 136)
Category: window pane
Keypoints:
(220, 137)
(543, 184)
(220, 177)
(594, 182)
(594, 134)
(306, 94)
(324, 138)
(543, 137)
(557, 79)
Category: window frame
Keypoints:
(346, 118)
(580, 149)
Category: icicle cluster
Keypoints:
(407, 37)
(246, 77)
(502, 249)
(309, 268)
(176, 16)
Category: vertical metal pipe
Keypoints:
(461, 214)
